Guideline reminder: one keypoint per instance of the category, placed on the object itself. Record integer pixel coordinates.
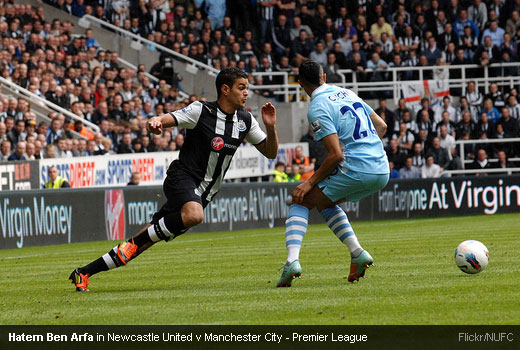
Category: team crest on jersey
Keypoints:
(242, 125)
(316, 126)
(217, 143)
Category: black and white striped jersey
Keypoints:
(212, 138)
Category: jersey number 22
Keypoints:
(363, 124)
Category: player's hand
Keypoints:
(269, 114)
(300, 191)
(154, 125)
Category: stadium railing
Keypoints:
(508, 171)
(460, 145)
(443, 72)
(151, 77)
(193, 65)
(33, 98)
(291, 91)
(137, 42)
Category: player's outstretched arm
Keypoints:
(379, 124)
(333, 159)
(269, 147)
(155, 125)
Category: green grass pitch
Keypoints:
(230, 278)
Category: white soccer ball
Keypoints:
(471, 256)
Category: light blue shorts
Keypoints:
(351, 185)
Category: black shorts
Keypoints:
(179, 188)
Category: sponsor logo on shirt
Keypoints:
(227, 145)
(217, 143)
(316, 126)
(186, 109)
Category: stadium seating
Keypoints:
(370, 47)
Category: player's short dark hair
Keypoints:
(310, 72)
(227, 76)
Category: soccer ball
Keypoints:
(471, 256)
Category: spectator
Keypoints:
(478, 14)
(417, 155)
(216, 11)
(513, 24)
(430, 169)
(410, 41)
(81, 151)
(440, 154)
(466, 125)
(377, 64)
(179, 141)
(341, 59)
(30, 151)
(487, 53)
(474, 97)
(463, 108)
(381, 27)
(514, 107)
(463, 22)
(503, 162)
(17, 134)
(409, 171)
(425, 124)
(319, 55)
(495, 95)
(126, 144)
(267, 8)
(448, 143)
(445, 107)
(394, 173)
(395, 154)
(282, 36)
(495, 33)
(5, 150)
(55, 181)
(294, 174)
(135, 179)
(54, 132)
(301, 48)
(306, 165)
(486, 126)
(404, 138)
(490, 110)
(61, 148)
(509, 46)
(297, 27)
(49, 151)
(481, 162)
(19, 152)
(509, 125)
(279, 173)
(91, 148)
(433, 53)
(331, 69)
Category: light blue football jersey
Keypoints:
(335, 110)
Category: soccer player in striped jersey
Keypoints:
(338, 117)
(214, 132)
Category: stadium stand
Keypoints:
(371, 46)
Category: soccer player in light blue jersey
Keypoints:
(355, 167)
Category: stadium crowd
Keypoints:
(43, 56)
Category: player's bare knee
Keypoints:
(193, 218)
